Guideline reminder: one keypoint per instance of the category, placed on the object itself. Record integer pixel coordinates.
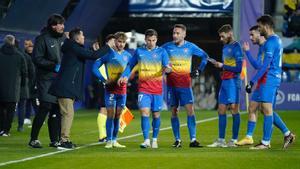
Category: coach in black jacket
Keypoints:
(69, 83)
(47, 58)
(12, 76)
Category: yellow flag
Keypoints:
(102, 71)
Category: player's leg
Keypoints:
(267, 94)
(110, 103)
(101, 118)
(289, 137)
(235, 124)
(173, 101)
(186, 99)
(144, 102)
(222, 107)
(252, 118)
(120, 104)
(156, 105)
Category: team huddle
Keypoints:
(174, 60)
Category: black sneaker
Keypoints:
(66, 145)
(288, 140)
(103, 140)
(177, 144)
(196, 144)
(35, 144)
(54, 144)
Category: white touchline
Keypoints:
(92, 144)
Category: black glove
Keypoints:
(249, 87)
(195, 73)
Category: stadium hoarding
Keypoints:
(288, 96)
(179, 6)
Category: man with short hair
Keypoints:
(68, 86)
(152, 61)
(258, 39)
(102, 115)
(270, 76)
(12, 77)
(179, 81)
(115, 95)
(231, 66)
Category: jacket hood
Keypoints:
(8, 49)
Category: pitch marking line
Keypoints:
(92, 144)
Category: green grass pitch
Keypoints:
(14, 149)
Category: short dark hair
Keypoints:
(151, 32)
(74, 33)
(182, 26)
(109, 37)
(266, 20)
(225, 28)
(55, 19)
(254, 28)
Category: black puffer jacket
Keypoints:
(69, 82)
(12, 74)
(46, 54)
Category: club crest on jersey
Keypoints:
(125, 58)
(154, 55)
(185, 50)
(229, 49)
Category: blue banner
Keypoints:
(222, 6)
(288, 96)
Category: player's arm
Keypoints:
(84, 53)
(238, 55)
(253, 62)
(269, 52)
(203, 55)
(166, 62)
(97, 64)
(126, 73)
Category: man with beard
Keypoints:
(230, 87)
(268, 77)
(47, 58)
(258, 39)
(179, 81)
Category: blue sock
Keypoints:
(191, 123)
(109, 128)
(175, 127)
(222, 125)
(155, 127)
(145, 124)
(268, 122)
(116, 128)
(279, 123)
(250, 128)
(236, 125)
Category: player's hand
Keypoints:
(249, 87)
(218, 64)
(168, 70)
(195, 73)
(246, 46)
(122, 81)
(96, 46)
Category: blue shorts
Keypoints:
(113, 100)
(229, 92)
(180, 96)
(152, 101)
(265, 93)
